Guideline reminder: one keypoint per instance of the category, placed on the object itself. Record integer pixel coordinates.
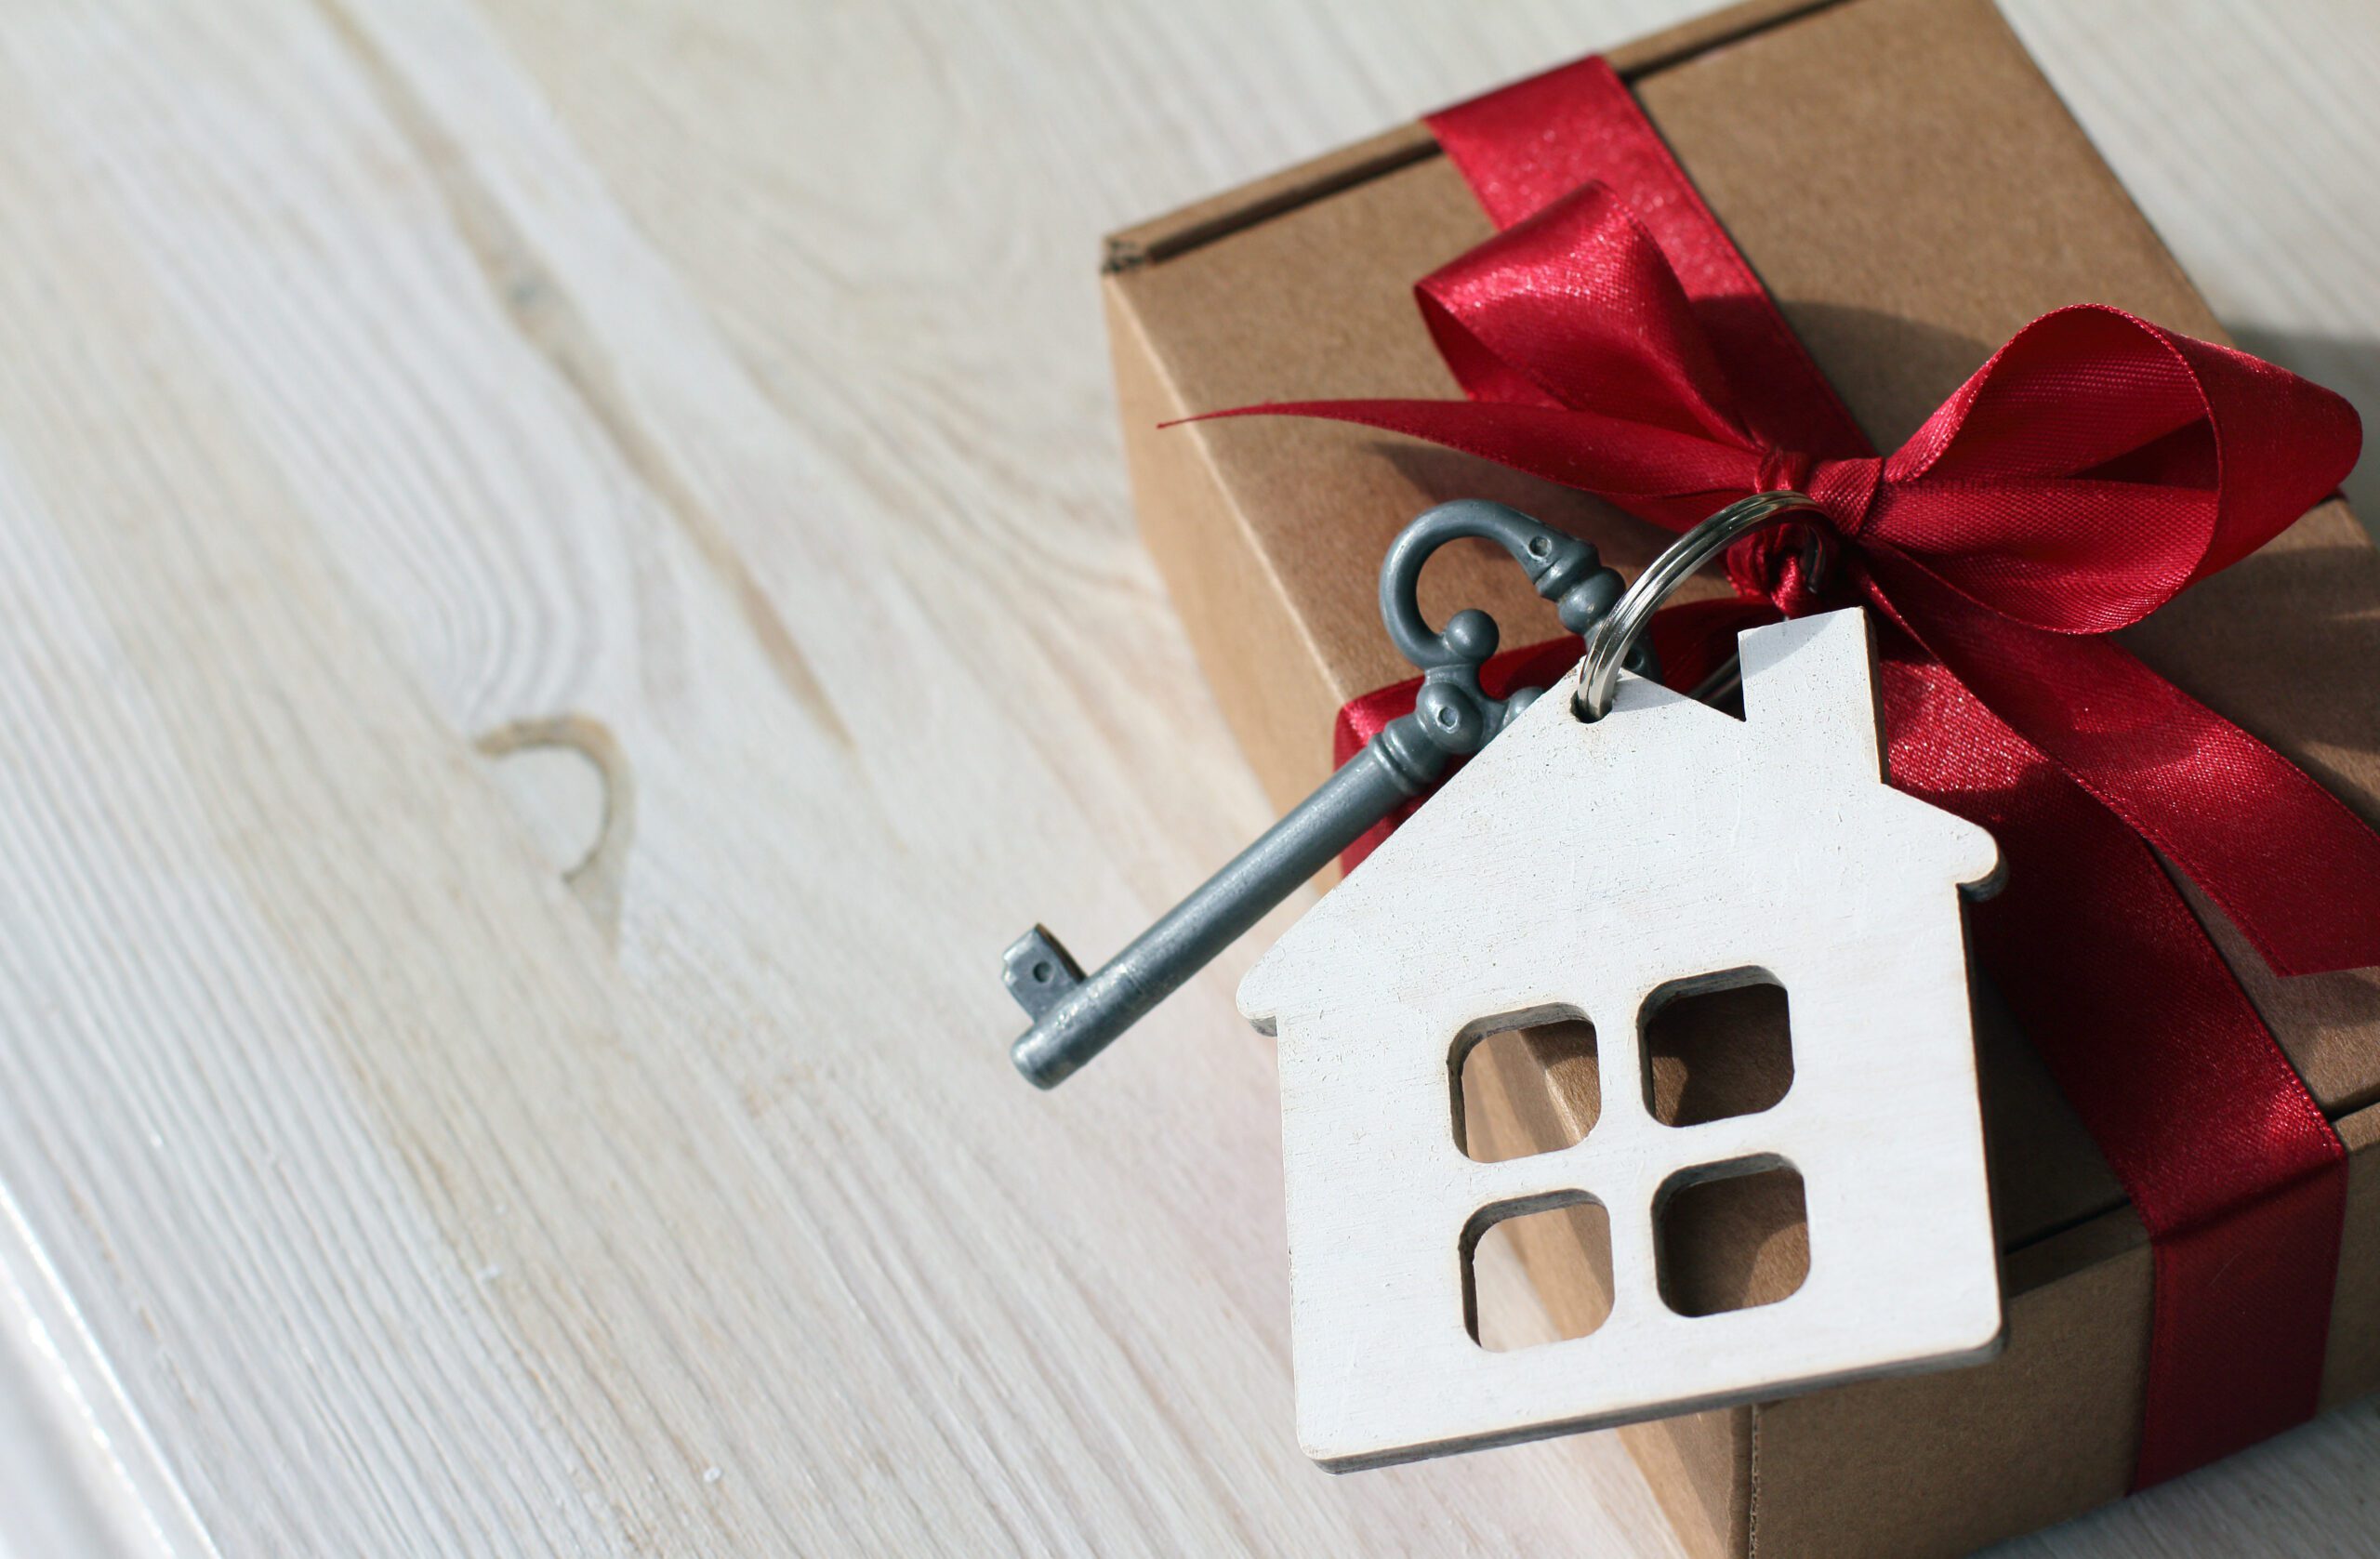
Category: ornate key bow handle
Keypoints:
(1452, 713)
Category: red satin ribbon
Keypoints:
(1610, 338)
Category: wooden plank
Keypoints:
(670, 1222)
(719, 391)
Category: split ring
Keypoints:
(1611, 639)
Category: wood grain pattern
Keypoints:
(717, 394)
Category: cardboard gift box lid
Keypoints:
(1912, 192)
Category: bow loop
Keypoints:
(2015, 416)
(1575, 307)
(2097, 464)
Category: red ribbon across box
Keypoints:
(1610, 338)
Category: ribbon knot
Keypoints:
(1782, 470)
(1797, 569)
(1801, 569)
(1847, 490)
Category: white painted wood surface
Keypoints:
(706, 408)
(1471, 920)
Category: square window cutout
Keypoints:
(1559, 1048)
(1731, 1236)
(1562, 1291)
(1716, 1046)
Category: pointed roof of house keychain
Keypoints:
(1595, 870)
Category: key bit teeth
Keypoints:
(1038, 970)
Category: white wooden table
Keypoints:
(438, 434)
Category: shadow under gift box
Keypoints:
(1929, 198)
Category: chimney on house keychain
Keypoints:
(1609, 848)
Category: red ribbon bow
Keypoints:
(2094, 468)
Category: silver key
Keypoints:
(1076, 1016)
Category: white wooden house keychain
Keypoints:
(1618, 845)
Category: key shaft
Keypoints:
(1087, 1014)
(1076, 1016)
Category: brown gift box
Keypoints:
(1908, 217)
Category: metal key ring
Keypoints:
(1616, 634)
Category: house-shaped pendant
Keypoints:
(1594, 870)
